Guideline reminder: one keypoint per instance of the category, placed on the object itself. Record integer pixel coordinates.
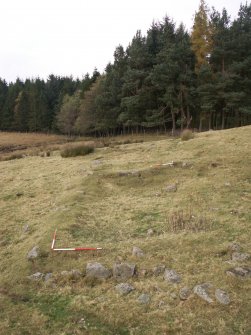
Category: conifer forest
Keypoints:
(166, 81)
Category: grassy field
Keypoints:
(110, 199)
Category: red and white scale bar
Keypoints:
(68, 249)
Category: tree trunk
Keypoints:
(210, 121)
(223, 120)
(200, 126)
(173, 120)
(188, 118)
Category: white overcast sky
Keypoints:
(71, 37)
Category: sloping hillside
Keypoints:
(185, 204)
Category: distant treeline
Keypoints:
(166, 80)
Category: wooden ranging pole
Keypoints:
(68, 249)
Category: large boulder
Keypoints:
(97, 271)
(123, 271)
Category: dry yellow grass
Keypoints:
(92, 202)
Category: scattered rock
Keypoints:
(171, 188)
(33, 253)
(222, 296)
(26, 228)
(227, 184)
(234, 247)
(144, 298)
(150, 232)
(137, 252)
(48, 276)
(241, 272)
(172, 276)
(123, 271)
(36, 276)
(184, 293)
(240, 257)
(158, 270)
(203, 291)
(97, 271)
(124, 288)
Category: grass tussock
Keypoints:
(13, 156)
(186, 135)
(186, 220)
(77, 150)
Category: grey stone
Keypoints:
(184, 293)
(36, 276)
(171, 188)
(124, 288)
(48, 276)
(158, 270)
(123, 271)
(172, 276)
(150, 232)
(33, 253)
(144, 298)
(241, 272)
(240, 257)
(137, 252)
(97, 271)
(203, 291)
(222, 296)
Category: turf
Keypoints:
(109, 199)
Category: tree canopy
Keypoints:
(167, 80)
